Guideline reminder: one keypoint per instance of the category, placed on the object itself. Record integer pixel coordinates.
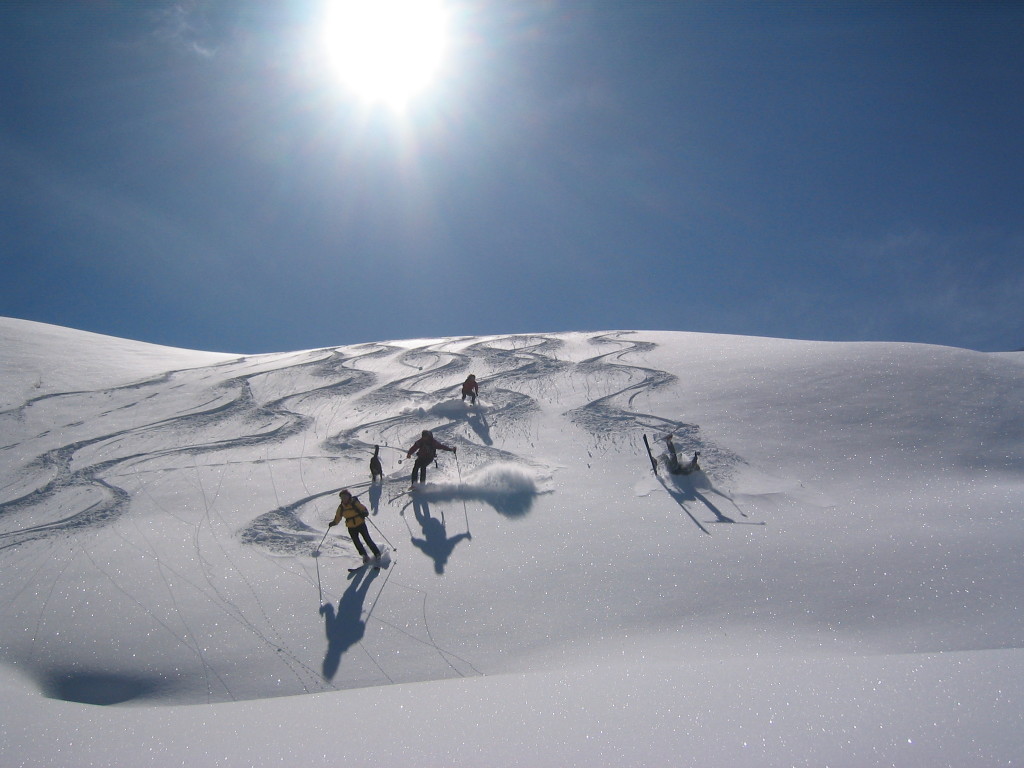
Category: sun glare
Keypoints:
(386, 50)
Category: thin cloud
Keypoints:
(969, 283)
(189, 26)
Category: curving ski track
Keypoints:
(302, 425)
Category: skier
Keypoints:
(376, 470)
(426, 450)
(470, 389)
(673, 460)
(354, 513)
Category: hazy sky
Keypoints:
(198, 174)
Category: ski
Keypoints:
(408, 492)
(376, 567)
(650, 455)
(372, 563)
(400, 494)
(383, 560)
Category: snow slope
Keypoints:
(838, 586)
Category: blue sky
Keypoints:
(194, 174)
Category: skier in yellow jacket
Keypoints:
(354, 513)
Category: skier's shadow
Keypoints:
(682, 496)
(477, 421)
(346, 627)
(686, 489)
(374, 494)
(435, 543)
(702, 482)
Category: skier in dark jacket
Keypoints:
(426, 451)
(672, 460)
(470, 389)
(354, 513)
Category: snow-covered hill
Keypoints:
(839, 585)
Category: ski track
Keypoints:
(67, 482)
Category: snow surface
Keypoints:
(839, 586)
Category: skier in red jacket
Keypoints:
(426, 450)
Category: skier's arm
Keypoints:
(437, 444)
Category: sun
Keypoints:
(386, 51)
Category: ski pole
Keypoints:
(322, 540)
(319, 584)
(465, 511)
(378, 530)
